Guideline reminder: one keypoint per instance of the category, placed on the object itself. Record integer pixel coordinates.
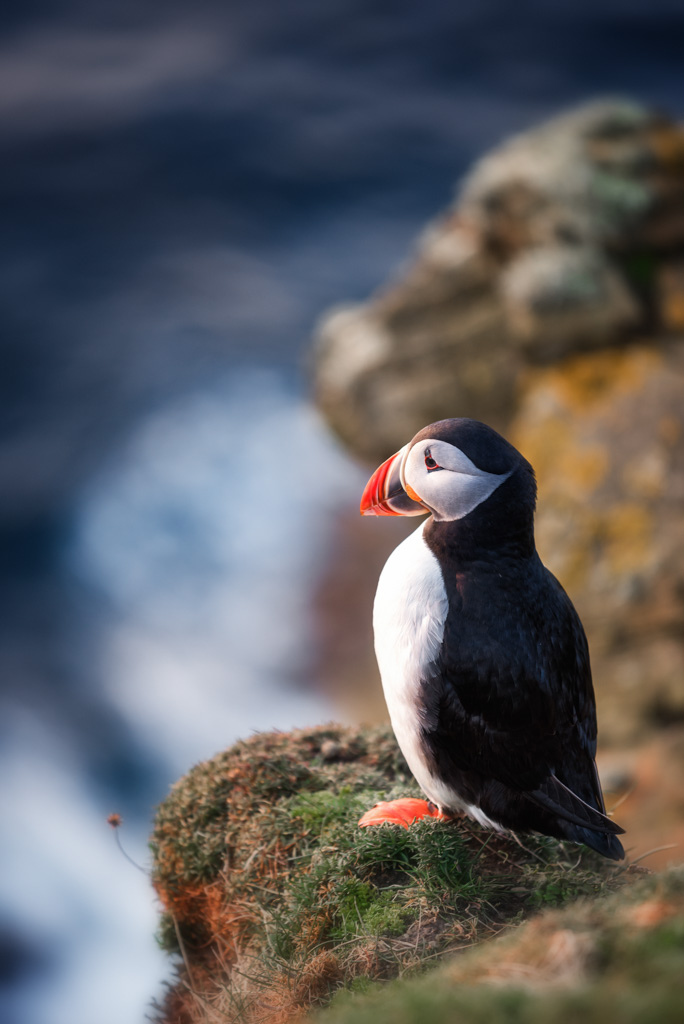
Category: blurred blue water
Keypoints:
(205, 538)
(197, 548)
(185, 189)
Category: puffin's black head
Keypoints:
(451, 468)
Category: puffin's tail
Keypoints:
(604, 843)
(580, 822)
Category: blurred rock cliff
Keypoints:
(548, 301)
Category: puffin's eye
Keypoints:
(430, 463)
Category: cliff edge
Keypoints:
(275, 901)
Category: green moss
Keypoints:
(386, 916)
(325, 809)
(360, 907)
(556, 891)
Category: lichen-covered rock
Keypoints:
(555, 245)
(432, 343)
(549, 302)
(560, 298)
(607, 174)
(605, 433)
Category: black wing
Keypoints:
(510, 697)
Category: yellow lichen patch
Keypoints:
(627, 535)
(581, 382)
(540, 442)
(566, 545)
(564, 465)
(582, 469)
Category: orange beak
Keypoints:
(385, 495)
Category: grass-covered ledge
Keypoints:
(274, 899)
(618, 960)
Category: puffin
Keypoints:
(483, 659)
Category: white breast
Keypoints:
(409, 614)
(408, 619)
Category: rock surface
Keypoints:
(561, 240)
(549, 302)
(605, 433)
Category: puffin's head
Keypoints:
(449, 468)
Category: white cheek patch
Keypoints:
(456, 502)
(457, 487)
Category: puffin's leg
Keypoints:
(401, 812)
(444, 815)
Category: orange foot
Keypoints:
(401, 812)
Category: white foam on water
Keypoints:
(65, 885)
(206, 539)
